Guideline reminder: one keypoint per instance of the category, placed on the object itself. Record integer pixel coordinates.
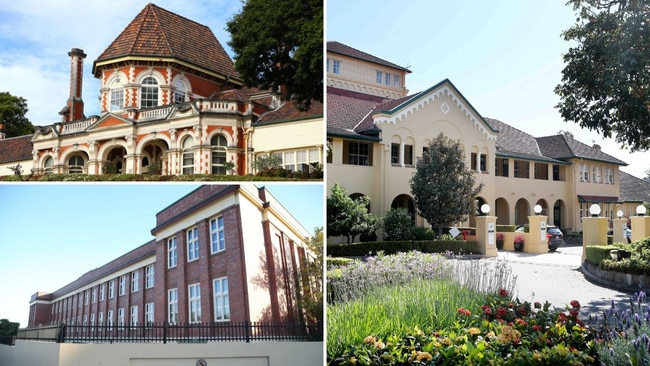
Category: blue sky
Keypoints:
(53, 233)
(505, 56)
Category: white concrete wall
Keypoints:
(29, 353)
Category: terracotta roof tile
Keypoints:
(16, 149)
(159, 32)
(289, 112)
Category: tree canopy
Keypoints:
(442, 186)
(280, 44)
(606, 80)
(348, 217)
(12, 115)
(313, 304)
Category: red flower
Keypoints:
(501, 312)
(537, 327)
(487, 310)
(503, 292)
(521, 322)
(575, 304)
(463, 311)
(574, 313)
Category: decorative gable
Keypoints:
(389, 113)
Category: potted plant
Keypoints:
(519, 243)
(499, 241)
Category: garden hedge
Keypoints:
(595, 254)
(392, 247)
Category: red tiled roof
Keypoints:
(16, 149)
(161, 33)
(289, 112)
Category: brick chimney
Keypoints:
(74, 109)
(3, 132)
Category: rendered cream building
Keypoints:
(375, 133)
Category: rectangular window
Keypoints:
(117, 99)
(195, 303)
(102, 291)
(408, 154)
(396, 81)
(556, 173)
(379, 77)
(290, 161)
(221, 300)
(336, 67)
(483, 163)
(301, 161)
(109, 318)
(122, 285)
(584, 173)
(92, 321)
(522, 169)
(358, 153)
(596, 174)
(135, 279)
(394, 153)
(80, 299)
(100, 318)
(171, 253)
(387, 79)
(148, 314)
(134, 315)
(86, 297)
(172, 300)
(111, 289)
(192, 244)
(149, 276)
(541, 171)
(217, 235)
(609, 176)
(120, 317)
(501, 167)
(473, 162)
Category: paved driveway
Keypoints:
(556, 278)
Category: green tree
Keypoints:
(443, 187)
(348, 217)
(398, 225)
(12, 115)
(606, 80)
(280, 44)
(313, 303)
(8, 328)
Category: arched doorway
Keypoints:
(544, 205)
(522, 211)
(153, 159)
(115, 162)
(558, 213)
(404, 201)
(502, 211)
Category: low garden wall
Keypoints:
(598, 266)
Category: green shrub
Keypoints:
(506, 228)
(424, 233)
(595, 254)
(338, 262)
(392, 247)
(398, 225)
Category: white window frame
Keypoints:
(221, 299)
(187, 155)
(336, 66)
(172, 255)
(109, 319)
(194, 302)
(111, 289)
(172, 308)
(102, 292)
(148, 92)
(120, 317)
(148, 313)
(217, 235)
(94, 295)
(100, 318)
(122, 286)
(150, 279)
(192, 244)
(134, 316)
(135, 279)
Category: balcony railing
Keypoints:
(180, 333)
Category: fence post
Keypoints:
(165, 332)
(248, 331)
(61, 336)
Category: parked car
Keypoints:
(555, 238)
(553, 233)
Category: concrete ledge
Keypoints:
(615, 280)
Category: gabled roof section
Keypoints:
(563, 147)
(341, 49)
(633, 189)
(288, 112)
(16, 149)
(156, 32)
(393, 111)
(346, 110)
(110, 120)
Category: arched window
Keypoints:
(149, 93)
(179, 92)
(117, 95)
(76, 164)
(219, 154)
(48, 165)
(188, 155)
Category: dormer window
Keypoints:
(180, 92)
(149, 93)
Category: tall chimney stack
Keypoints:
(74, 109)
